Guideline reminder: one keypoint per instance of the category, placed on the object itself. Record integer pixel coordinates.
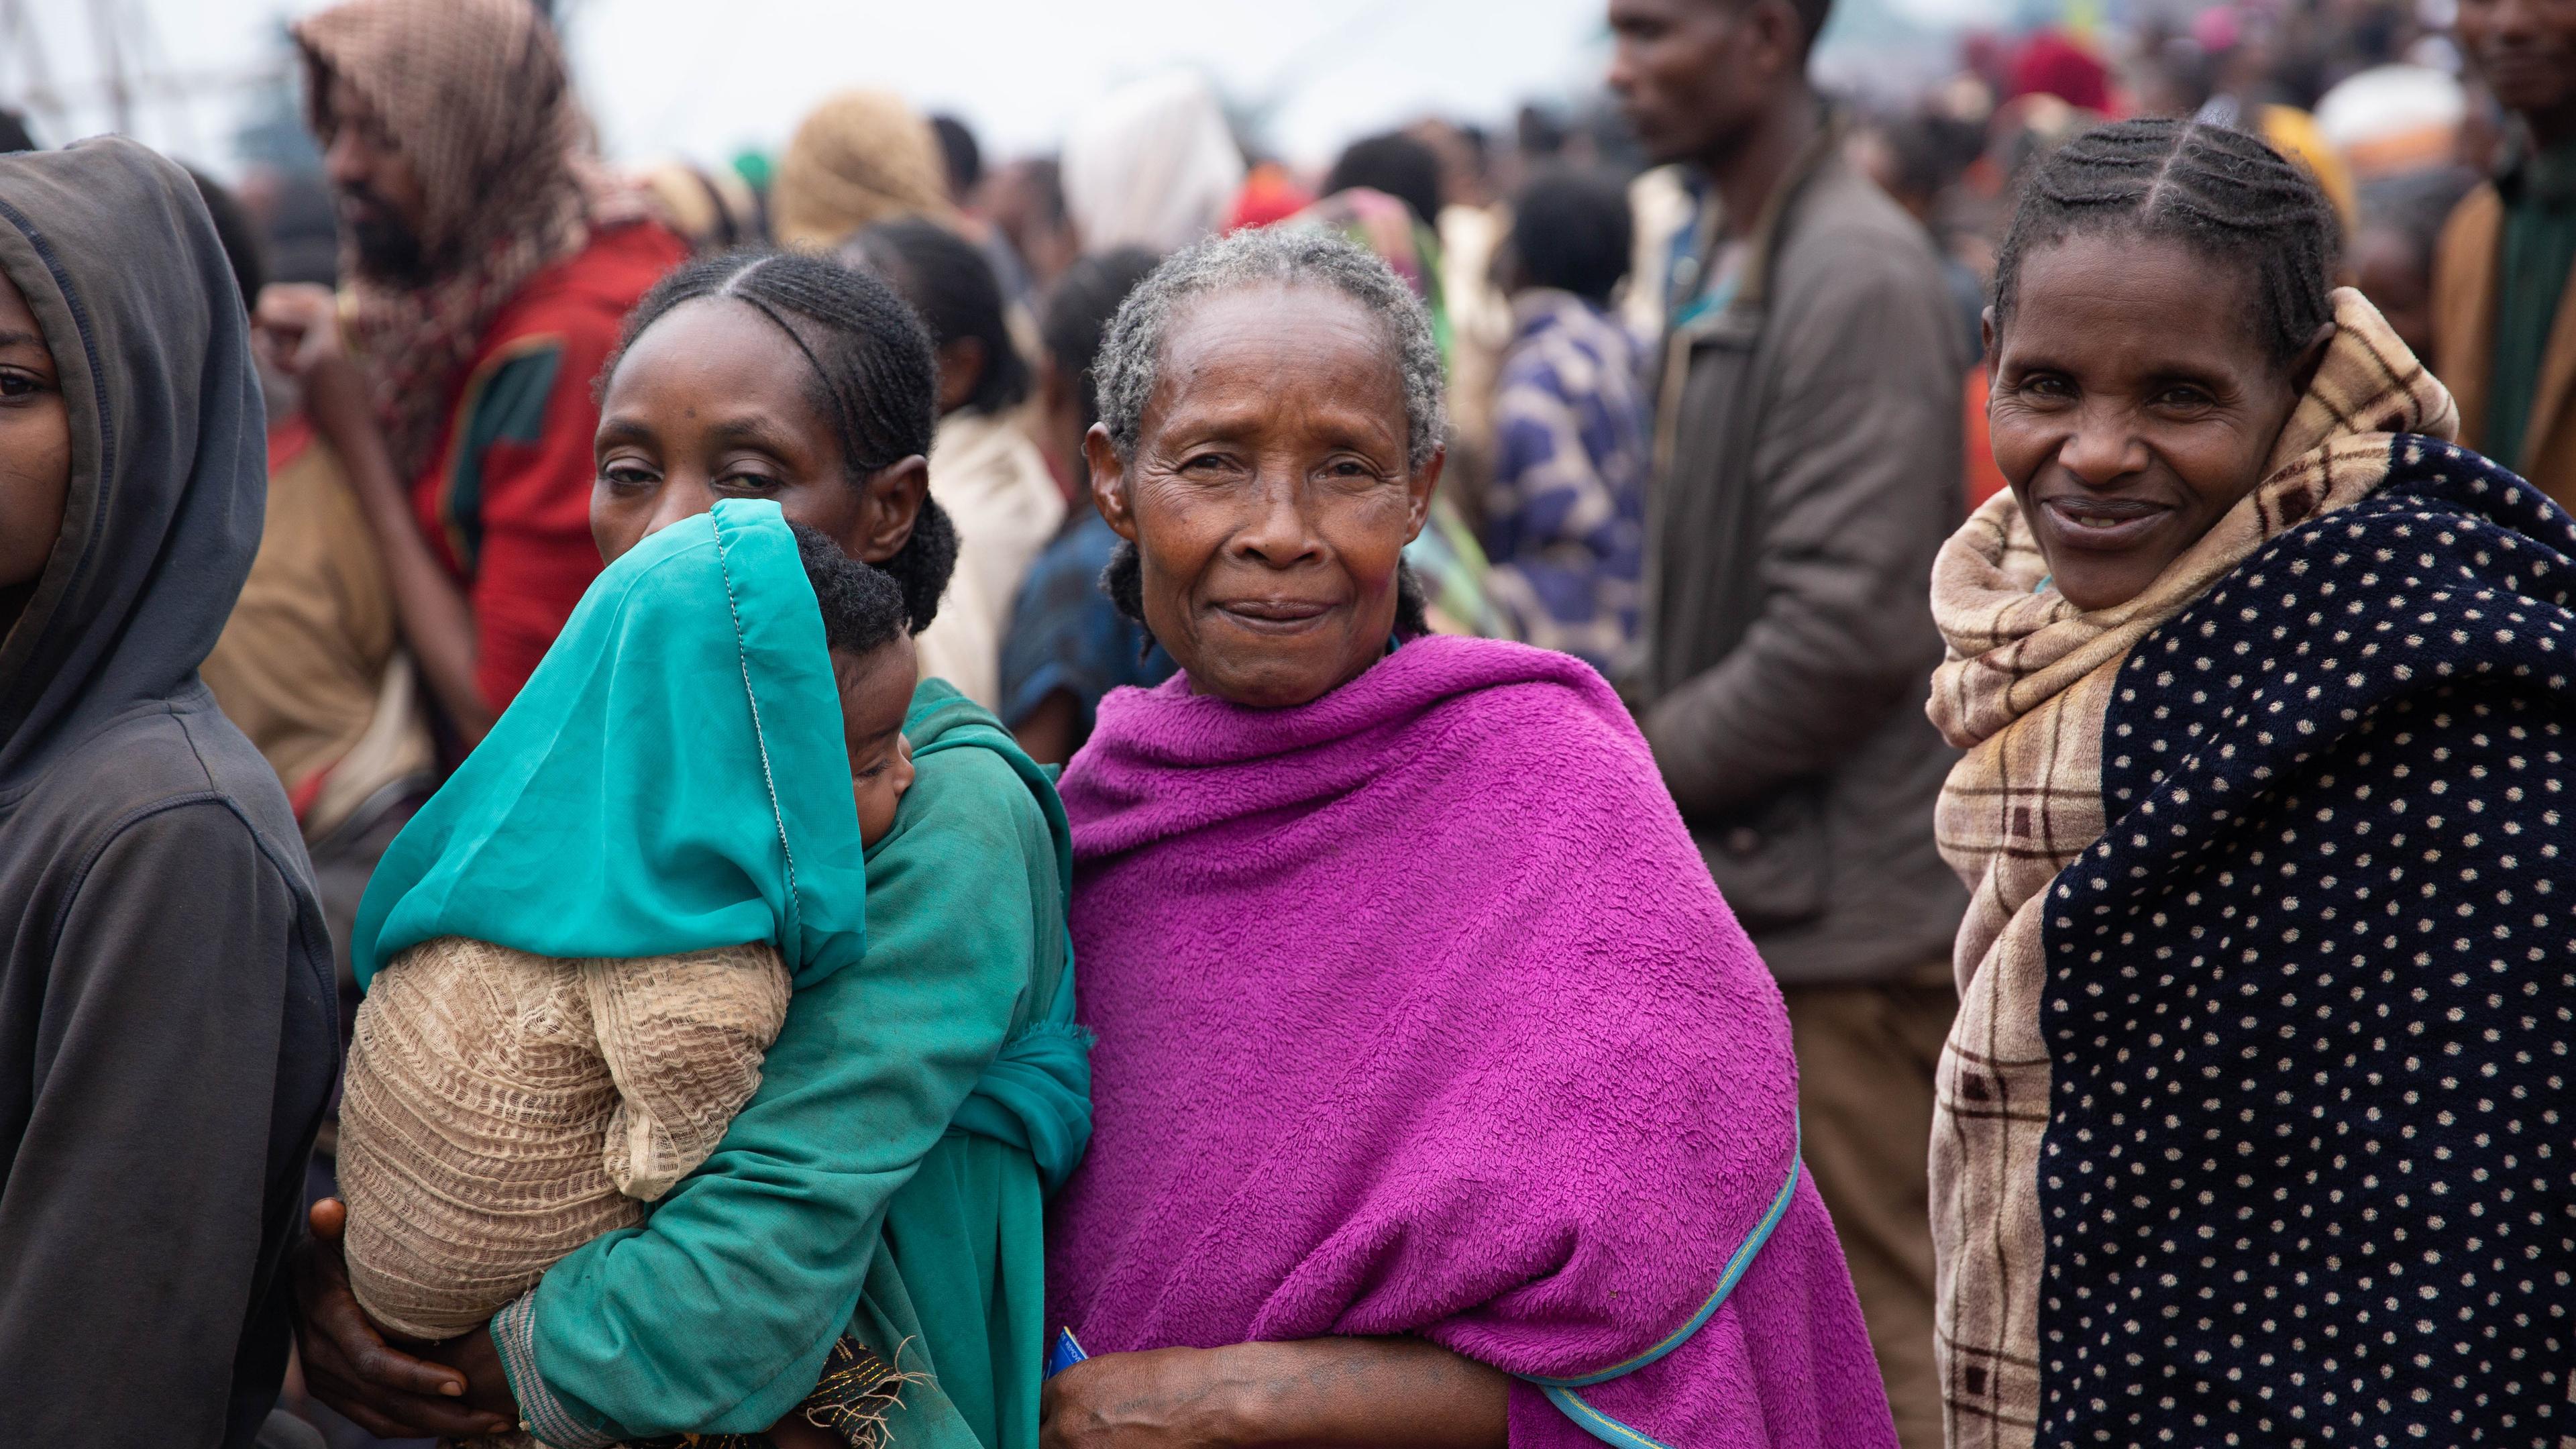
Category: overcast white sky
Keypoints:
(705, 79)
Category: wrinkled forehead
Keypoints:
(1273, 334)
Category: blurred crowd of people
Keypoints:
(1716, 378)
(2400, 112)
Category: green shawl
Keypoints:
(672, 778)
(887, 1180)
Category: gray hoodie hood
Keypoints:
(117, 258)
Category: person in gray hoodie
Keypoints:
(168, 1034)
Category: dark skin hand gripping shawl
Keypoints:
(168, 1027)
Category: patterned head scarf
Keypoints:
(859, 158)
(475, 95)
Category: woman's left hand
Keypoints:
(1170, 1398)
(473, 1354)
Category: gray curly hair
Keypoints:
(1131, 354)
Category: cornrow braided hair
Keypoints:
(872, 373)
(2220, 191)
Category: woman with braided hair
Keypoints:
(871, 1215)
(2251, 1126)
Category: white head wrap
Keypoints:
(1153, 166)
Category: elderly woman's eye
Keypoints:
(626, 476)
(2182, 397)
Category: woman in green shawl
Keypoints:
(885, 1182)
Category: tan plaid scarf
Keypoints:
(2024, 692)
(475, 96)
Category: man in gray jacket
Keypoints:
(1806, 470)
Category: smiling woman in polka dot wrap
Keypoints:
(2254, 1128)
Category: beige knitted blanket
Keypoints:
(2025, 691)
(501, 1109)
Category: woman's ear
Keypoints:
(1986, 336)
(1108, 482)
(889, 502)
(1419, 485)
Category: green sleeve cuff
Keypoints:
(514, 1333)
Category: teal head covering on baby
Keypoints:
(672, 778)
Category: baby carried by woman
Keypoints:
(507, 1103)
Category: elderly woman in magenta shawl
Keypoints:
(1440, 1099)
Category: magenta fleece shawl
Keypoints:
(1419, 1013)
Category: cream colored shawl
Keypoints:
(2024, 691)
(1006, 505)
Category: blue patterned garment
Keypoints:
(1065, 634)
(1565, 518)
(2310, 1171)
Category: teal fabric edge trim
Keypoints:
(514, 1331)
(1560, 1391)
(1726, 1282)
(1596, 1423)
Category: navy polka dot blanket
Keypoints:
(2308, 1175)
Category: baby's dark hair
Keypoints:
(872, 373)
(863, 608)
(2221, 192)
(1124, 582)
(952, 287)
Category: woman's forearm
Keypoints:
(437, 622)
(1384, 1393)
(1347, 1393)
